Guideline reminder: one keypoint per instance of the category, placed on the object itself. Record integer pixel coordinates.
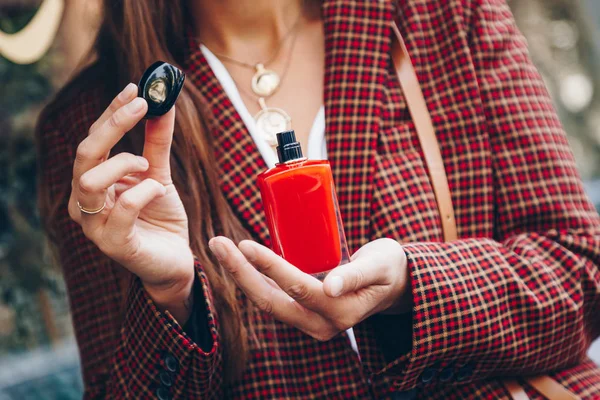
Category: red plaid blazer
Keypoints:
(516, 295)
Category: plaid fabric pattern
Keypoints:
(517, 294)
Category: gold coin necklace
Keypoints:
(265, 82)
(272, 120)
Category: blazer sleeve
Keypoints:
(128, 348)
(526, 301)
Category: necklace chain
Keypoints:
(232, 60)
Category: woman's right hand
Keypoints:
(143, 225)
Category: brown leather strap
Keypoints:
(543, 384)
(550, 388)
(516, 391)
(424, 127)
(439, 181)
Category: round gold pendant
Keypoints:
(270, 121)
(265, 81)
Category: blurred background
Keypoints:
(38, 356)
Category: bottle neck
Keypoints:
(293, 162)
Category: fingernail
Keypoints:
(127, 92)
(336, 284)
(143, 161)
(218, 249)
(136, 105)
(248, 250)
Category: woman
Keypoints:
(159, 313)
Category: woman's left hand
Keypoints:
(375, 281)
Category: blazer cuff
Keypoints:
(439, 349)
(197, 327)
(159, 354)
(482, 308)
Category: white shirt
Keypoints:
(317, 146)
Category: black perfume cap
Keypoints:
(160, 86)
(288, 149)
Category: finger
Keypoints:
(126, 183)
(94, 148)
(271, 282)
(94, 183)
(126, 95)
(157, 146)
(302, 287)
(264, 295)
(126, 210)
(361, 272)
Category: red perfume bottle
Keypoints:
(302, 210)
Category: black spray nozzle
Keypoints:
(288, 149)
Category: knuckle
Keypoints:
(127, 203)
(265, 267)
(116, 120)
(159, 141)
(126, 160)
(299, 292)
(114, 105)
(232, 268)
(359, 278)
(86, 184)
(154, 184)
(84, 151)
(131, 159)
(93, 127)
(264, 305)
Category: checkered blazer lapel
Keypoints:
(357, 41)
(237, 156)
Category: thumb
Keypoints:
(376, 263)
(157, 146)
(363, 271)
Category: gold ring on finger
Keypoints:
(88, 211)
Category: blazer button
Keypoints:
(162, 393)
(464, 372)
(446, 375)
(165, 378)
(428, 375)
(171, 363)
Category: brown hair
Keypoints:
(133, 35)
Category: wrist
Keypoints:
(402, 305)
(175, 296)
(403, 301)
